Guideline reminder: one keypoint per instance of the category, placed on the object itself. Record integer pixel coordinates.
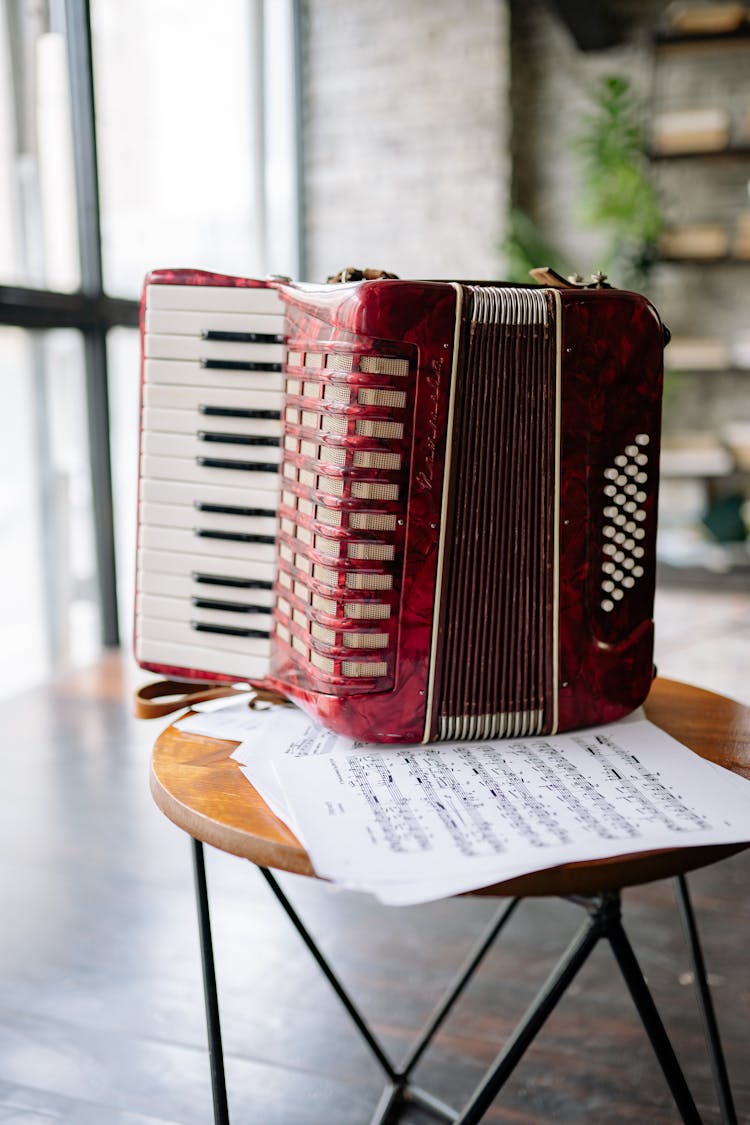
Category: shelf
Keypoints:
(727, 260)
(732, 370)
(731, 152)
(739, 36)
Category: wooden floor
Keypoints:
(101, 1018)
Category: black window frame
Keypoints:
(89, 310)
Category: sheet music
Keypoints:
(234, 720)
(414, 823)
(406, 823)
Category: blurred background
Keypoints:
(432, 139)
(300, 136)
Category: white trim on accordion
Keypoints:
(443, 512)
(556, 549)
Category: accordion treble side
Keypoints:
(465, 483)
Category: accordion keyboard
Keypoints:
(210, 452)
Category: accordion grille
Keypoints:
(494, 666)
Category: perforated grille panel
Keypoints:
(625, 492)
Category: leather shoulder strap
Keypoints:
(153, 701)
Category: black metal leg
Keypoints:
(530, 1024)
(651, 1020)
(710, 1026)
(604, 921)
(331, 977)
(213, 1025)
(462, 978)
(399, 1089)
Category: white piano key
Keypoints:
(192, 347)
(187, 469)
(186, 493)
(189, 372)
(171, 515)
(190, 421)
(181, 323)
(172, 563)
(182, 586)
(183, 609)
(219, 298)
(191, 446)
(169, 397)
(179, 539)
(201, 658)
(181, 632)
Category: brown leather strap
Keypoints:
(153, 701)
(545, 275)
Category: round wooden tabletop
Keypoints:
(201, 789)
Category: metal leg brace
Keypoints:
(710, 1026)
(213, 1026)
(399, 1088)
(604, 921)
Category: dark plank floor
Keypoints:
(101, 1017)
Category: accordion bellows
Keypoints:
(425, 510)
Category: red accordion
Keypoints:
(425, 510)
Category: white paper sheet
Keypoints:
(407, 823)
(234, 720)
(285, 731)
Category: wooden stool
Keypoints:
(201, 789)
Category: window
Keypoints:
(195, 163)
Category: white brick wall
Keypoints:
(406, 134)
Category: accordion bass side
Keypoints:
(465, 545)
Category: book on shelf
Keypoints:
(699, 240)
(742, 241)
(697, 454)
(697, 353)
(706, 19)
(740, 350)
(691, 130)
(736, 436)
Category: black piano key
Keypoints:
(233, 536)
(229, 630)
(238, 365)
(232, 510)
(246, 466)
(237, 412)
(229, 607)
(227, 580)
(237, 439)
(244, 337)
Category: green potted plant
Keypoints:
(618, 197)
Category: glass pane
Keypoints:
(38, 229)
(48, 600)
(124, 362)
(177, 133)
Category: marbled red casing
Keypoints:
(612, 373)
(611, 377)
(407, 318)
